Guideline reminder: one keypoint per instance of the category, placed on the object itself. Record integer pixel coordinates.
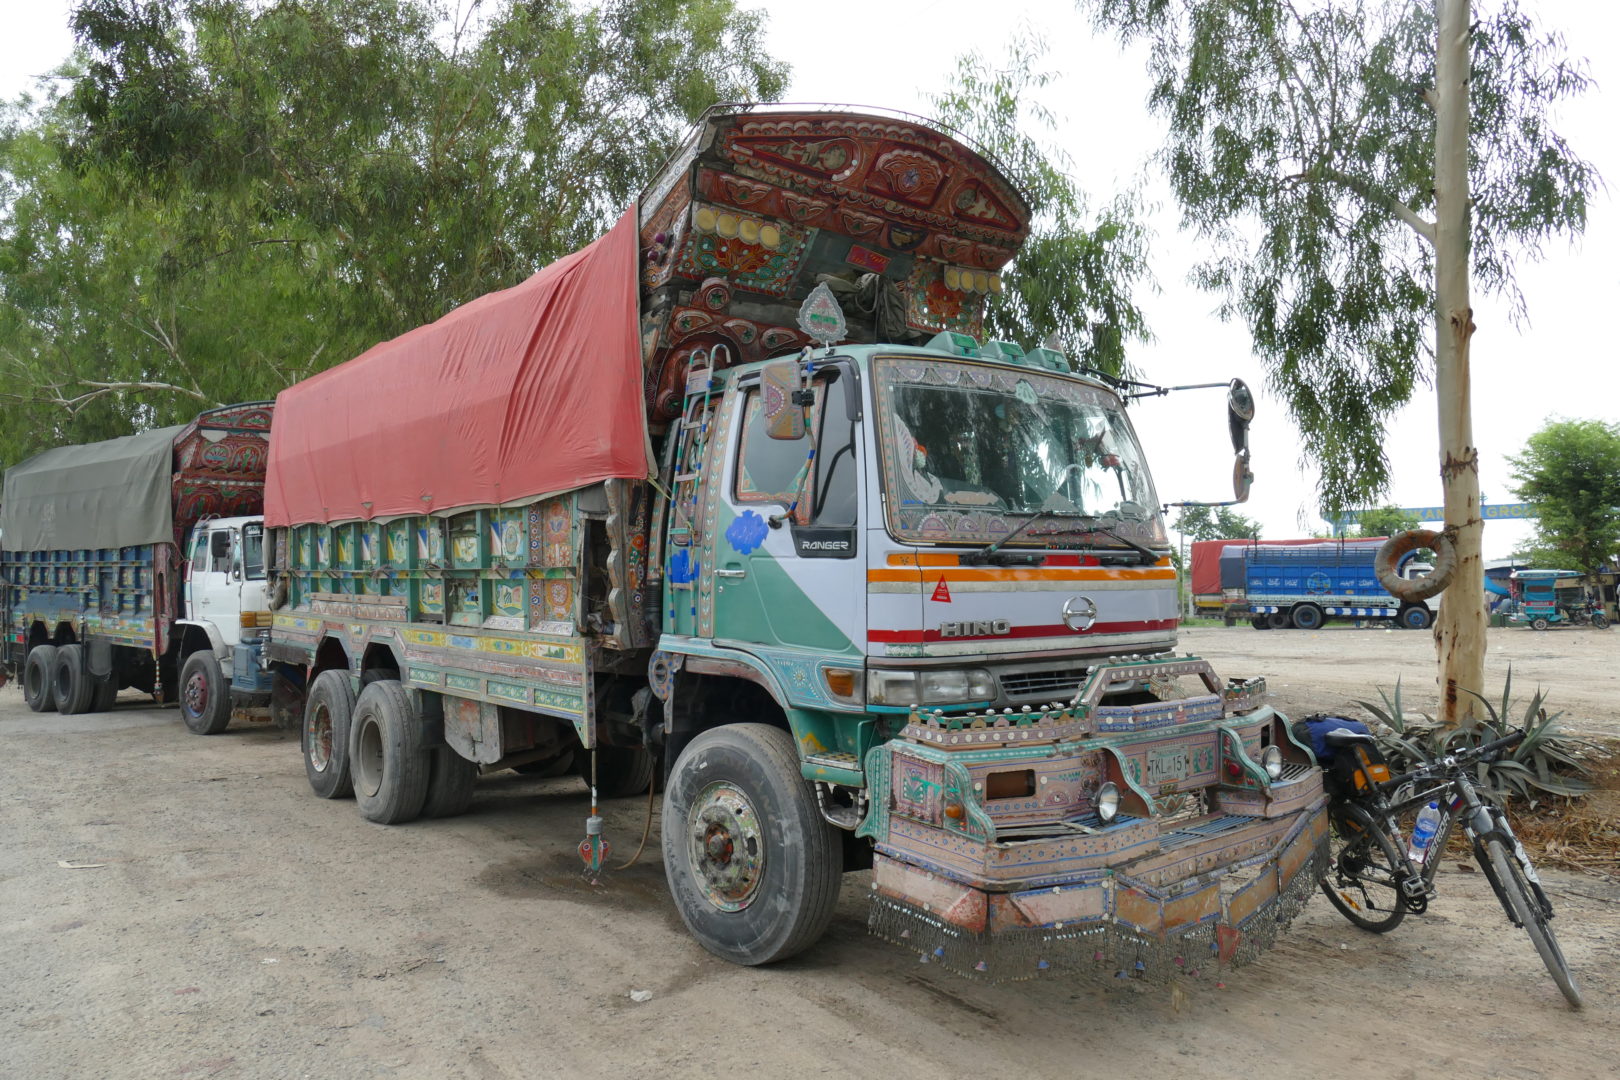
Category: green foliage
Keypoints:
(1071, 285)
(1301, 149)
(1570, 470)
(235, 194)
(1215, 523)
(1547, 760)
(1384, 521)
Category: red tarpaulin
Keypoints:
(525, 392)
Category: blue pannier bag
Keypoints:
(1313, 729)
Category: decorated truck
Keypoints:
(139, 563)
(1308, 583)
(740, 495)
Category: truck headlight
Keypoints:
(948, 686)
(1108, 802)
(1271, 758)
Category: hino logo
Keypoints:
(825, 545)
(975, 628)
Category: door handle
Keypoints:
(731, 573)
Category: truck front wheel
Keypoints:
(1307, 617)
(387, 758)
(205, 699)
(752, 865)
(327, 716)
(39, 678)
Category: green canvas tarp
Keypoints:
(101, 495)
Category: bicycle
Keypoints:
(1370, 877)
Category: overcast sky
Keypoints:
(895, 54)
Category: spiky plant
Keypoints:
(1546, 761)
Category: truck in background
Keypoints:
(139, 563)
(1305, 584)
(1216, 579)
(903, 601)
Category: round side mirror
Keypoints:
(1242, 478)
(1239, 411)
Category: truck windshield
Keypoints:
(253, 551)
(972, 449)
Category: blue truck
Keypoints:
(1304, 585)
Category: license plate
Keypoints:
(1167, 766)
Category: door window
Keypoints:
(219, 551)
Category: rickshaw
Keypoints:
(1536, 592)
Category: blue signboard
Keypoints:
(1488, 511)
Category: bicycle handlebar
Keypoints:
(1456, 760)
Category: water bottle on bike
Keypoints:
(1428, 823)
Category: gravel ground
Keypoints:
(217, 920)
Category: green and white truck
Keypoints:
(739, 494)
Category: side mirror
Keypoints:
(1242, 478)
(778, 391)
(1239, 411)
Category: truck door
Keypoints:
(216, 580)
(788, 558)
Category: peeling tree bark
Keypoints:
(1460, 633)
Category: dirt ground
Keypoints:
(217, 920)
(1329, 670)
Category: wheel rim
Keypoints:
(726, 843)
(368, 762)
(34, 682)
(195, 694)
(1361, 879)
(320, 737)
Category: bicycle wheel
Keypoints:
(1364, 871)
(1517, 896)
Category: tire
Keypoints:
(621, 771)
(75, 690)
(328, 713)
(1307, 617)
(450, 784)
(1259, 622)
(1277, 620)
(1364, 871)
(1539, 624)
(205, 696)
(1523, 906)
(106, 696)
(1415, 617)
(39, 678)
(387, 758)
(737, 790)
(1600, 621)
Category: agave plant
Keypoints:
(1547, 760)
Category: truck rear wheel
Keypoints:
(39, 678)
(1277, 620)
(106, 694)
(205, 699)
(387, 758)
(1260, 622)
(74, 688)
(621, 771)
(1307, 617)
(1415, 617)
(327, 716)
(450, 784)
(752, 865)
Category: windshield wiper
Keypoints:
(984, 555)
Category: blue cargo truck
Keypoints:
(1304, 585)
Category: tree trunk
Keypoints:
(1460, 633)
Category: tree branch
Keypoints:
(1420, 225)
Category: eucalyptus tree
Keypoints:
(1350, 163)
(217, 197)
(1073, 284)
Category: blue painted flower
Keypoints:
(747, 532)
(682, 567)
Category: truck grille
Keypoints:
(1051, 684)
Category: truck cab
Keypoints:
(226, 621)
